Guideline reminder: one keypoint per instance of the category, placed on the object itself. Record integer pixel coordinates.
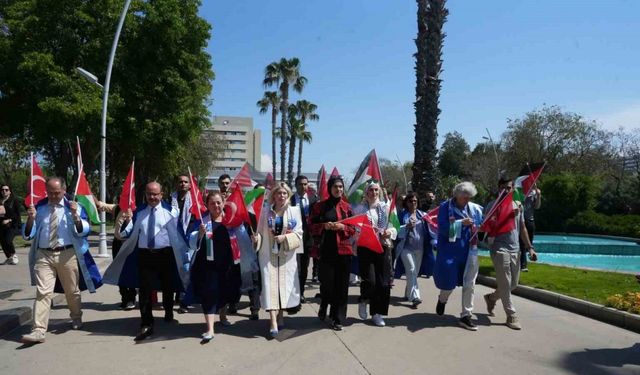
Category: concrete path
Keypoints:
(414, 342)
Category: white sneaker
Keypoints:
(362, 310)
(13, 260)
(377, 320)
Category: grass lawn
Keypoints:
(593, 286)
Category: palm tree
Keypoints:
(284, 73)
(432, 14)
(304, 136)
(271, 99)
(303, 110)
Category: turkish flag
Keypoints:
(431, 218)
(37, 189)
(128, 194)
(234, 211)
(197, 203)
(368, 237)
(501, 217)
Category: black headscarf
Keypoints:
(330, 183)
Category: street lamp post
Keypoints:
(102, 252)
(495, 151)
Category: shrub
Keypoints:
(613, 225)
(629, 301)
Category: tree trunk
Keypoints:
(274, 119)
(432, 15)
(292, 152)
(299, 156)
(283, 127)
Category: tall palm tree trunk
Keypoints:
(283, 128)
(299, 156)
(432, 14)
(292, 152)
(274, 119)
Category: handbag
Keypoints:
(291, 242)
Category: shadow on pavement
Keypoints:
(604, 361)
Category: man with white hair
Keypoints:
(457, 258)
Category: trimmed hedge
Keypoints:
(614, 225)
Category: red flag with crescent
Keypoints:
(234, 210)
(37, 189)
(128, 195)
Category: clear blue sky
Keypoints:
(502, 58)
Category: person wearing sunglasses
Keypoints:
(9, 223)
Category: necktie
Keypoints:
(151, 226)
(53, 227)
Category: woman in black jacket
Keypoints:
(9, 223)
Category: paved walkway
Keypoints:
(414, 342)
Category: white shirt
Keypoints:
(64, 238)
(163, 218)
(303, 203)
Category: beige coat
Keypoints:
(280, 284)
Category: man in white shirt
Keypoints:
(160, 248)
(305, 201)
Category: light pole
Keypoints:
(495, 151)
(102, 252)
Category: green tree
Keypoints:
(303, 136)
(453, 155)
(565, 140)
(271, 100)
(159, 91)
(302, 111)
(284, 74)
(432, 14)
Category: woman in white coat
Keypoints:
(279, 239)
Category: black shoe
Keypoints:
(130, 306)
(144, 333)
(232, 309)
(254, 316)
(322, 313)
(302, 299)
(314, 279)
(182, 310)
(415, 303)
(169, 318)
(121, 305)
(440, 308)
(465, 322)
(336, 326)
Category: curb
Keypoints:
(591, 310)
(16, 317)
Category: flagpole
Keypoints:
(31, 180)
(491, 212)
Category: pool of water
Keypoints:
(588, 252)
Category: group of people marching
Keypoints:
(212, 261)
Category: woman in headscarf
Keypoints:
(213, 281)
(335, 250)
(375, 268)
(279, 240)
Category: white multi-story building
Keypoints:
(242, 144)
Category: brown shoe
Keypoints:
(35, 337)
(513, 323)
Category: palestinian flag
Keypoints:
(84, 197)
(393, 213)
(254, 200)
(369, 170)
(526, 180)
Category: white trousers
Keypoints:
(468, 284)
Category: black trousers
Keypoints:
(254, 293)
(374, 283)
(126, 294)
(6, 240)
(315, 267)
(531, 230)
(153, 265)
(334, 286)
(303, 269)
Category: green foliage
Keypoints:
(159, 92)
(589, 285)
(453, 155)
(597, 223)
(563, 196)
(393, 173)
